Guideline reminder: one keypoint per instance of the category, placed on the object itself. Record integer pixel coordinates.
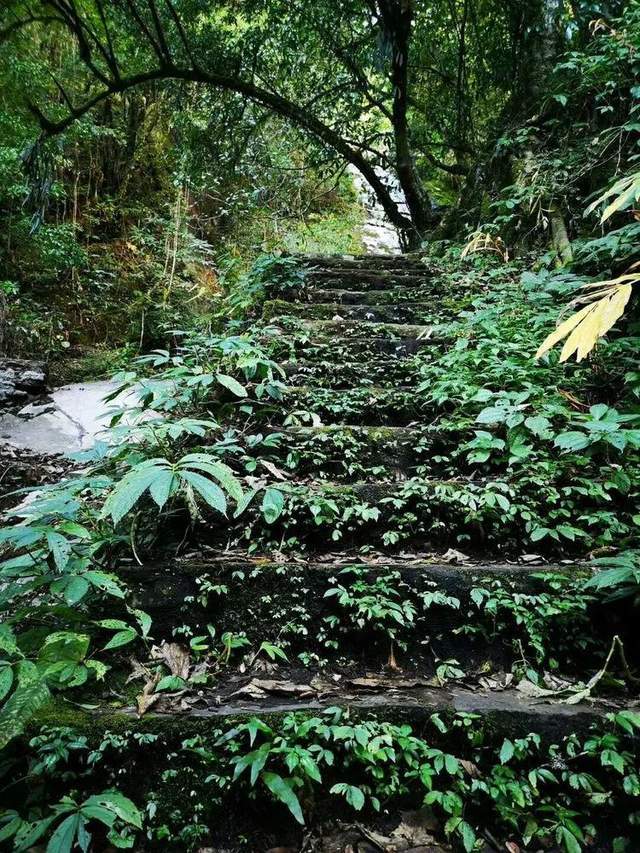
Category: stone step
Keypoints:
(507, 713)
(410, 336)
(346, 451)
(493, 516)
(365, 405)
(366, 280)
(318, 367)
(180, 756)
(263, 599)
(406, 261)
(411, 312)
(392, 296)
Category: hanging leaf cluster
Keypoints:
(606, 303)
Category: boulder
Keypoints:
(20, 378)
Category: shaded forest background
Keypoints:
(143, 212)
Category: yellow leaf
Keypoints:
(562, 331)
(584, 335)
(615, 307)
(607, 302)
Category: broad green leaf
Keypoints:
(506, 751)
(121, 638)
(231, 384)
(60, 548)
(106, 583)
(353, 796)
(538, 425)
(572, 440)
(272, 505)
(244, 503)
(491, 415)
(112, 624)
(100, 669)
(7, 640)
(76, 589)
(170, 682)
(20, 707)
(130, 489)
(144, 620)
(14, 822)
(218, 470)
(6, 680)
(63, 838)
(468, 836)
(161, 488)
(282, 792)
(208, 491)
(119, 805)
(64, 646)
(569, 841)
(31, 832)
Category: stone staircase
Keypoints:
(351, 425)
(369, 444)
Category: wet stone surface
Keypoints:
(67, 420)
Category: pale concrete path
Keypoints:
(72, 420)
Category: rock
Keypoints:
(34, 409)
(48, 433)
(71, 420)
(20, 377)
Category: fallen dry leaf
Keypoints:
(138, 670)
(249, 691)
(471, 768)
(283, 688)
(272, 469)
(148, 698)
(175, 656)
(415, 828)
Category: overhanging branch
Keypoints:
(276, 103)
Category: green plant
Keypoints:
(67, 825)
(376, 604)
(539, 623)
(617, 575)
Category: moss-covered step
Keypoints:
(411, 312)
(366, 280)
(354, 452)
(441, 302)
(507, 713)
(395, 445)
(351, 451)
(358, 348)
(394, 296)
(180, 758)
(464, 611)
(342, 367)
(493, 516)
(369, 405)
(410, 336)
(411, 261)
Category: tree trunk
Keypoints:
(559, 237)
(396, 17)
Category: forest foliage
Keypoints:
(161, 166)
